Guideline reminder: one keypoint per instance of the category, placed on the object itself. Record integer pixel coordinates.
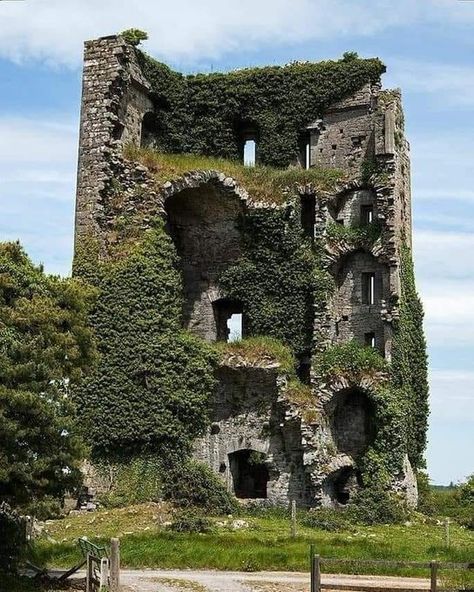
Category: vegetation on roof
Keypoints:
(263, 183)
(258, 350)
(212, 113)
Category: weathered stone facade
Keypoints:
(262, 445)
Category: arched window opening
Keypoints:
(308, 214)
(304, 369)
(352, 421)
(249, 473)
(229, 320)
(149, 130)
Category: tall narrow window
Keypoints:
(368, 288)
(366, 214)
(369, 339)
(250, 151)
(308, 214)
(308, 154)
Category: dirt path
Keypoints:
(220, 581)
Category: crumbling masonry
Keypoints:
(261, 445)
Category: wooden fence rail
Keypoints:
(434, 566)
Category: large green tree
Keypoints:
(46, 347)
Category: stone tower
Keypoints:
(263, 446)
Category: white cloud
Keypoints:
(37, 179)
(190, 31)
(448, 84)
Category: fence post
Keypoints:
(434, 576)
(114, 565)
(317, 573)
(446, 532)
(311, 567)
(104, 574)
(293, 519)
(89, 573)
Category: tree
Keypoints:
(46, 347)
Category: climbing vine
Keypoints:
(410, 364)
(206, 113)
(150, 390)
(276, 278)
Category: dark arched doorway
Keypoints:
(249, 474)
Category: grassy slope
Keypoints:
(265, 545)
(262, 183)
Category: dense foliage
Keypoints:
(209, 114)
(46, 347)
(409, 364)
(276, 278)
(150, 390)
(193, 484)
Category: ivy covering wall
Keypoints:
(276, 279)
(150, 390)
(207, 113)
(410, 364)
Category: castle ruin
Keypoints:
(261, 444)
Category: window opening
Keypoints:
(308, 214)
(369, 339)
(250, 151)
(366, 214)
(249, 474)
(234, 327)
(368, 288)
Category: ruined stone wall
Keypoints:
(114, 101)
(306, 461)
(248, 413)
(204, 224)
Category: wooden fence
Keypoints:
(433, 566)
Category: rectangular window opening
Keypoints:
(366, 214)
(250, 151)
(234, 327)
(368, 288)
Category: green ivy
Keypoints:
(276, 278)
(202, 113)
(356, 236)
(150, 390)
(409, 362)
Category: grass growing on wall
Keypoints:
(263, 183)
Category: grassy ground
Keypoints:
(262, 182)
(264, 544)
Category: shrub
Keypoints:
(132, 481)
(377, 506)
(425, 494)
(328, 519)
(195, 485)
(134, 36)
(189, 520)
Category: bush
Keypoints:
(12, 539)
(425, 494)
(190, 520)
(195, 485)
(328, 519)
(132, 481)
(376, 506)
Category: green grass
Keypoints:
(265, 545)
(263, 183)
(258, 350)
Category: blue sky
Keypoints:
(428, 47)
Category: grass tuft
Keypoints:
(258, 351)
